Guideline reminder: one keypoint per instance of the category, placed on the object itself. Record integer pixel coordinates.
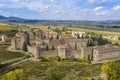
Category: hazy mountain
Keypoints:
(3, 17)
(54, 22)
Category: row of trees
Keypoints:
(99, 39)
(58, 59)
(47, 48)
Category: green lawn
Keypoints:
(6, 55)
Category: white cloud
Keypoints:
(0, 11)
(52, 0)
(60, 9)
(116, 7)
(1, 5)
(15, 0)
(91, 1)
(104, 0)
(101, 13)
(98, 8)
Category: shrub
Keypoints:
(57, 58)
(45, 59)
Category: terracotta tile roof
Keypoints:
(8, 40)
(77, 40)
(38, 31)
(106, 47)
(62, 41)
(19, 34)
(57, 42)
(16, 37)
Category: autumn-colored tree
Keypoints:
(72, 76)
(51, 73)
(16, 74)
(86, 78)
(110, 71)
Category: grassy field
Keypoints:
(38, 69)
(5, 28)
(6, 55)
(79, 29)
(98, 31)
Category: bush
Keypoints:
(79, 60)
(67, 60)
(16, 74)
(57, 58)
(86, 78)
(45, 59)
(51, 73)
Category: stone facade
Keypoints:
(64, 52)
(36, 41)
(40, 44)
(81, 34)
(106, 52)
(4, 38)
(87, 52)
(77, 43)
(19, 42)
(34, 50)
(75, 48)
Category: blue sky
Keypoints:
(62, 9)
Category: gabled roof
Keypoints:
(58, 42)
(106, 47)
(77, 40)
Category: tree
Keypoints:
(51, 73)
(57, 37)
(86, 78)
(57, 30)
(100, 40)
(72, 76)
(75, 46)
(110, 71)
(16, 74)
(57, 58)
(53, 48)
(117, 44)
(90, 43)
(119, 38)
(78, 36)
(48, 27)
(47, 48)
(63, 29)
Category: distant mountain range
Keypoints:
(16, 19)
(21, 20)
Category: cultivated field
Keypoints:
(5, 28)
(6, 55)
